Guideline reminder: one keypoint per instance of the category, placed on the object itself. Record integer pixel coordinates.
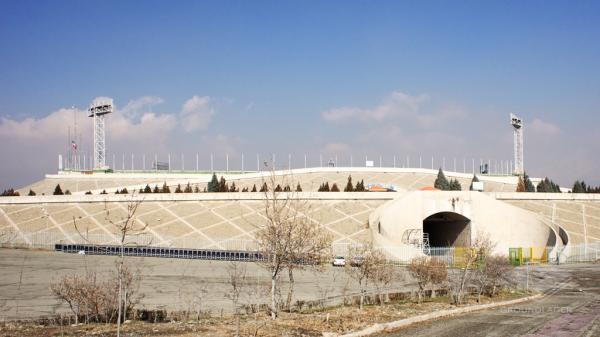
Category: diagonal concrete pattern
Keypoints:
(456, 218)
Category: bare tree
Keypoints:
(237, 280)
(288, 239)
(427, 271)
(364, 266)
(467, 260)
(92, 299)
(493, 273)
(439, 274)
(500, 273)
(420, 272)
(127, 229)
(383, 274)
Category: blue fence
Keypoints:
(178, 253)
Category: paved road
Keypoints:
(571, 307)
(173, 284)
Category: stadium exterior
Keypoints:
(396, 222)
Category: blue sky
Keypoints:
(431, 78)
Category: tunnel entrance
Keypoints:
(448, 229)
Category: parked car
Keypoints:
(357, 261)
(338, 261)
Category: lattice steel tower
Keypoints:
(98, 110)
(517, 125)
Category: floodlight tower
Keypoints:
(98, 110)
(517, 124)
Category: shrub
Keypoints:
(58, 190)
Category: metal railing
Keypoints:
(143, 251)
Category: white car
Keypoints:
(338, 261)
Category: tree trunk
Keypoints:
(290, 295)
(120, 300)
(125, 305)
(237, 322)
(362, 298)
(273, 307)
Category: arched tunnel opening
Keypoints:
(447, 229)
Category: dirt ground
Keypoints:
(337, 320)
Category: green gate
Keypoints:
(516, 256)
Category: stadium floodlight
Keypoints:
(517, 124)
(98, 110)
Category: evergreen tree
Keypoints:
(233, 188)
(196, 189)
(278, 188)
(188, 188)
(178, 189)
(67, 192)
(253, 188)
(223, 187)
(58, 190)
(441, 183)
(528, 184)
(548, 186)
(298, 188)
(10, 193)
(88, 193)
(103, 192)
(156, 189)
(264, 188)
(245, 189)
(213, 184)
(335, 188)
(147, 189)
(349, 187)
(521, 185)
(165, 188)
(326, 187)
(360, 186)
(123, 191)
(454, 185)
(287, 188)
(579, 187)
(31, 193)
(474, 180)
(543, 186)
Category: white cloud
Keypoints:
(196, 113)
(134, 107)
(544, 128)
(397, 104)
(48, 134)
(41, 129)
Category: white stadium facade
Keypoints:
(405, 223)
